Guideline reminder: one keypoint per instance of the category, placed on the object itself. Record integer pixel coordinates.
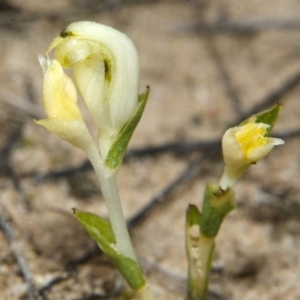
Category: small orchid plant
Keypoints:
(105, 69)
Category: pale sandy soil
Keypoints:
(201, 82)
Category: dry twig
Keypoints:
(17, 251)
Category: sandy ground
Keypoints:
(208, 64)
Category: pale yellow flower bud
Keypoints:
(242, 146)
(60, 102)
(106, 72)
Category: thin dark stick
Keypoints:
(273, 97)
(289, 134)
(5, 151)
(17, 252)
(224, 73)
(189, 172)
(58, 279)
(86, 257)
(86, 165)
(250, 26)
(6, 6)
(176, 148)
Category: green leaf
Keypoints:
(100, 230)
(193, 215)
(131, 271)
(117, 151)
(216, 205)
(269, 117)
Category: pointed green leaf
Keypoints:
(193, 215)
(269, 117)
(117, 151)
(100, 230)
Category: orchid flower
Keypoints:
(106, 72)
(243, 146)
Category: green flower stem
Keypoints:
(110, 192)
(217, 203)
(201, 230)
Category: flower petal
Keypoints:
(242, 146)
(60, 97)
(72, 131)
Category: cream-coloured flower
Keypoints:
(60, 102)
(242, 146)
(106, 71)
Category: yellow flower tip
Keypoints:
(242, 146)
(60, 102)
(253, 143)
(60, 97)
